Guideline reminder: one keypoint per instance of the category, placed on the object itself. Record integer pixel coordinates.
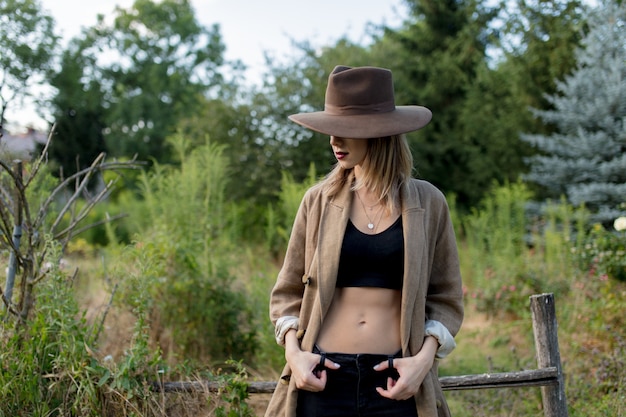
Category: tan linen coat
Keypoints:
(432, 286)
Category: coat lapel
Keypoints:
(333, 222)
(414, 252)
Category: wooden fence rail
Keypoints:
(548, 375)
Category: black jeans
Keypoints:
(351, 390)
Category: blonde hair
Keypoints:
(387, 166)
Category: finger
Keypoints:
(318, 383)
(383, 392)
(392, 393)
(381, 366)
(322, 379)
(330, 364)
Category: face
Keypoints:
(350, 153)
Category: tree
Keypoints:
(79, 112)
(27, 45)
(441, 51)
(538, 40)
(585, 159)
(154, 63)
(458, 58)
(533, 47)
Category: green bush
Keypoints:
(44, 362)
(190, 240)
(603, 253)
(280, 221)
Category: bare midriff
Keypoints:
(362, 320)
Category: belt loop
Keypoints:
(390, 361)
(322, 359)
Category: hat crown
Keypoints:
(360, 104)
(356, 91)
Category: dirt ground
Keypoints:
(259, 403)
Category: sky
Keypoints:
(248, 27)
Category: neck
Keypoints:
(368, 198)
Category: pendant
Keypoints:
(370, 226)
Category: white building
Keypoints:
(21, 146)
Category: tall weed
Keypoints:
(47, 365)
(200, 309)
(280, 220)
(507, 256)
(494, 247)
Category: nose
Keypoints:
(335, 141)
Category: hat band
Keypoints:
(356, 109)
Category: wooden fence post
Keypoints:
(547, 346)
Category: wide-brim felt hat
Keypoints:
(360, 104)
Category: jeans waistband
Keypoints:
(357, 359)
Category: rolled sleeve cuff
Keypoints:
(442, 334)
(283, 325)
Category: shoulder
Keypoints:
(423, 186)
(424, 193)
(316, 192)
(313, 199)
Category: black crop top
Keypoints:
(372, 260)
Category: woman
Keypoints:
(369, 294)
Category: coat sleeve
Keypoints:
(444, 299)
(286, 295)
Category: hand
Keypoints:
(305, 369)
(306, 372)
(411, 371)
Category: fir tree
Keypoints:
(585, 159)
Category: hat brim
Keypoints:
(403, 119)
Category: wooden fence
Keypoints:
(548, 375)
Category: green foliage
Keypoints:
(490, 121)
(279, 221)
(237, 127)
(50, 365)
(493, 403)
(129, 379)
(54, 373)
(190, 243)
(593, 337)
(291, 194)
(234, 393)
(603, 253)
(28, 43)
(538, 41)
(440, 51)
(287, 89)
(520, 250)
(79, 112)
(507, 256)
(165, 63)
(584, 158)
(497, 228)
(167, 56)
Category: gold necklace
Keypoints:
(370, 225)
